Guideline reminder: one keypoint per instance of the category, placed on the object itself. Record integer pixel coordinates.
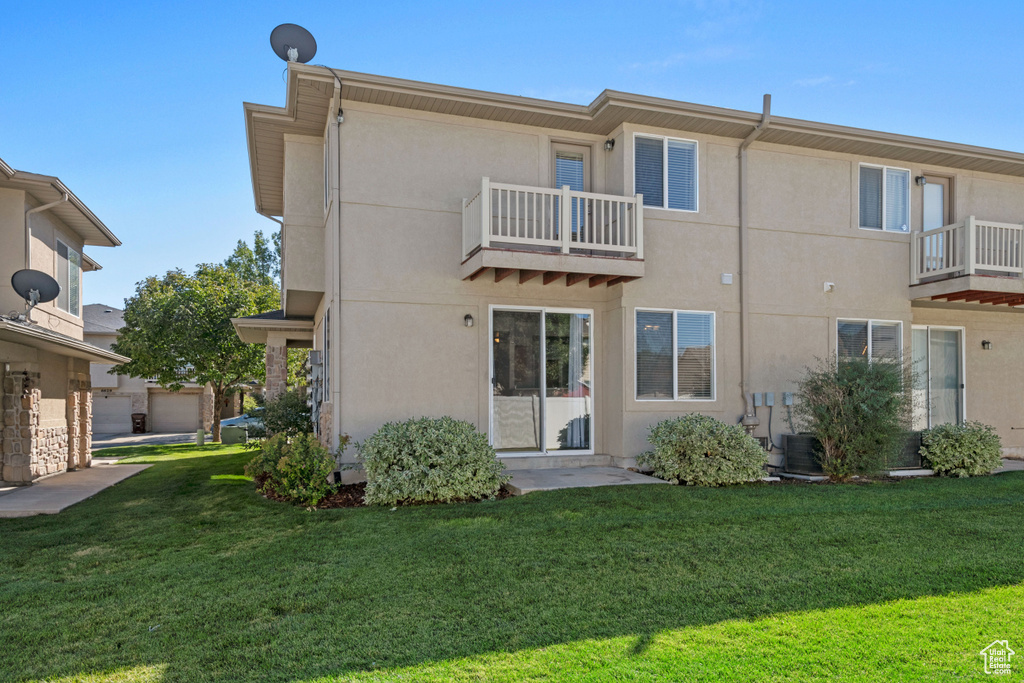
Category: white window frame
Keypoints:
(327, 354)
(870, 322)
(664, 172)
(675, 357)
(543, 310)
(56, 257)
(928, 361)
(910, 209)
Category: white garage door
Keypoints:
(174, 412)
(111, 414)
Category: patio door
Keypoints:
(939, 376)
(572, 168)
(541, 381)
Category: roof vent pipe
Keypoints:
(749, 421)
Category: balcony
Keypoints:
(552, 233)
(973, 261)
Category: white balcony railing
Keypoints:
(968, 247)
(517, 216)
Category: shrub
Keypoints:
(859, 410)
(288, 414)
(298, 470)
(429, 459)
(965, 450)
(697, 449)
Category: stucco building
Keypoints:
(44, 362)
(565, 276)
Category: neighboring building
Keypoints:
(44, 364)
(565, 276)
(117, 397)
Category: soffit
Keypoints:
(310, 89)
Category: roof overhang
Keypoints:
(255, 329)
(310, 89)
(73, 212)
(89, 265)
(36, 337)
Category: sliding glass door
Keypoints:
(939, 376)
(541, 380)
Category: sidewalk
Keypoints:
(100, 441)
(53, 494)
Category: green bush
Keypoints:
(429, 459)
(965, 450)
(288, 414)
(697, 449)
(859, 410)
(298, 470)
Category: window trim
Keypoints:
(327, 354)
(910, 209)
(675, 356)
(870, 322)
(56, 257)
(664, 172)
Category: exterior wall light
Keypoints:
(609, 145)
(986, 344)
(921, 180)
(468, 320)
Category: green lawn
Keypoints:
(184, 573)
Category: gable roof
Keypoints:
(102, 319)
(311, 88)
(74, 213)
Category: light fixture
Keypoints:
(468, 320)
(986, 344)
(921, 180)
(609, 145)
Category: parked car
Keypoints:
(251, 420)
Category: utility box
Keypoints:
(233, 434)
(138, 423)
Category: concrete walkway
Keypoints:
(100, 441)
(527, 481)
(1010, 466)
(53, 494)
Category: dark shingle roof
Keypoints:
(102, 319)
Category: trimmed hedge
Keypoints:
(429, 460)
(700, 450)
(965, 450)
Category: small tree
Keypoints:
(860, 411)
(178, 329)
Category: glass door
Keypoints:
(939, 377)
(541, 380)
(572, 168)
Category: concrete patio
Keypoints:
(51, 495)
(527, 481)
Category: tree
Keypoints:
(178, 329)
(260, 263)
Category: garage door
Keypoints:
(174, 412)
(111, 414)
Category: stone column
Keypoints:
(277, 366)
(74, 422)
(25, 446)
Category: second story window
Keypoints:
(69, 277)
(665, 172)
(885, 198)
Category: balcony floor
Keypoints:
(552, 267)
(979, 289)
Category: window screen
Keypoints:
(654, 354)
(869, 339)
(695, 339)
(649, 169)
(884, 198)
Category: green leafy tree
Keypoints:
(178, 329)
(260, 263)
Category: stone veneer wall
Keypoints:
(326, 431)
(29, 451)
(79, 415)
(277, 371)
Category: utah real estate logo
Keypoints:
(997, 658)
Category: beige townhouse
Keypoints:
(47, 393)
(565, 276)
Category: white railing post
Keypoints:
(565, 219)
(638, 225)
(485, 213)
(971, 244)
(915, 273)
(465, 241)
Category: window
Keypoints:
(885, 198)
(327, 355)
(69, 277)
(869, 339)
(665, 172)
(675, 355)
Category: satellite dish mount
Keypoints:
(35, 287)
(292, 43)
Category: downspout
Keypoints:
(749, 421)
(28, 227)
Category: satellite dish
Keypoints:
(35, 288)
(292, 43)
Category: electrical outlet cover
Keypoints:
(769, 398)
(757, 398)
(787, 398)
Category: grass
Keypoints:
(184, 573)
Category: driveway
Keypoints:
(100, 441)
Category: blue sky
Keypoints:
(138, 106)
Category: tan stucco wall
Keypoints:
(392, 280)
